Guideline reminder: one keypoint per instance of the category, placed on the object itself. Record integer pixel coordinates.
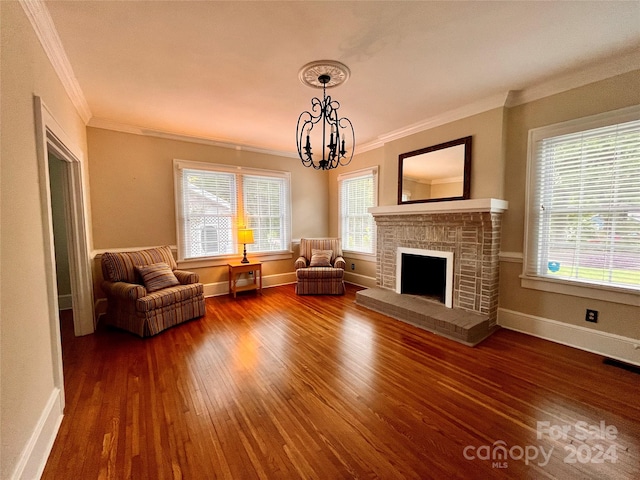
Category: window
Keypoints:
(357, 192)
(214, 200)
(583, 217)
(266, 212)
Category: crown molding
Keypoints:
(125, 128)
(46, 32)
(489, 103)
(608, 68)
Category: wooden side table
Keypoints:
(235, 269)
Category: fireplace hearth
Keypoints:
(467, 232)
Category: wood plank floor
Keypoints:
(281, 386)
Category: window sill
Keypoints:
(223, 260)
(367, 257)
(578, 289)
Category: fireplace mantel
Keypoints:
(492, 205)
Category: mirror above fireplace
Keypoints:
(436, 173)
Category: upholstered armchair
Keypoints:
(146, 293)
(320, 267)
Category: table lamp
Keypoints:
(245, 235)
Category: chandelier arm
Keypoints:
(346, 124)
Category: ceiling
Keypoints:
(228, 71)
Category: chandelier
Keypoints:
(322, 125)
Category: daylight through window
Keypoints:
(358, 192)
(215, 200)
(584, 201)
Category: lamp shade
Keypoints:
(245, 235)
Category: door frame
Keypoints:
(50, 137)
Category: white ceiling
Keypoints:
(228, 71)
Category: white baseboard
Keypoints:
(35, 454)
(65, 302)
(359, 280)
(610, 345)
(222, 288)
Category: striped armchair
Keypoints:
(146, 293)
(320, 267)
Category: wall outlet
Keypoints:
(353, 266)
(591, 316)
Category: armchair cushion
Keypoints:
(157, 276)
(320, 274)
(320, 258)
(168, 296)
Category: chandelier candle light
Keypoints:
(324, 115)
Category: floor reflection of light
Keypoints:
(246, 352)
(358, 350)
(240, 356)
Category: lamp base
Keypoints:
(244, 258)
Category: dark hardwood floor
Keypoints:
(281, 386)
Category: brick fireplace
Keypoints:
(469, 229)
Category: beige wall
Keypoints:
(610, 94)
(26, 358)
(487, 164)
(487, 169)
(132, 197)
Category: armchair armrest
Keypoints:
(124, 290)
(340, 263)
(185, 277)
(301, 262)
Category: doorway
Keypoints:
(52, 143)
(57, 178)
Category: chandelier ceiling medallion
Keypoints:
(323, 120)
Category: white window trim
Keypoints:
(584, 289)
(347, 176)
(367, 257)
(581, 289)
(219, 260)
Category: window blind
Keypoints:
(209, 208)
(213, 201)
(266, 205)
(584, 216)
(357, 193)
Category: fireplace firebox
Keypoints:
(427, 273)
